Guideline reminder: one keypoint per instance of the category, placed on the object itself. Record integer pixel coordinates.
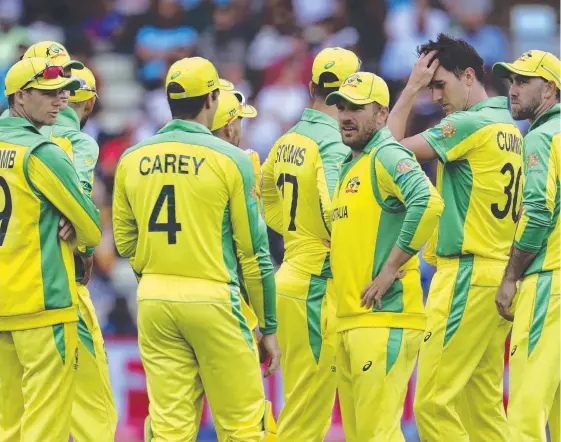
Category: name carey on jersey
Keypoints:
(170, 163)
(289, 153)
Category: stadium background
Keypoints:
(266, 47)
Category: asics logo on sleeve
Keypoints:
(367, 366)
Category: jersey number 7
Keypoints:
(287, 178)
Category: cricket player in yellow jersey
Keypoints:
(38, 305)
(299, 176)
(534, 257)
(185, 213)
(459, 394)
(384, 210)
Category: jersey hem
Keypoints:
(416, 321)
(39, 319)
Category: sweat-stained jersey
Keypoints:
(538, 228)
(299, 177)
(38, 184)
(480, 179)
(383, 199)
(185, 207)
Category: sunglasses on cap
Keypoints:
(49, 73)
(85, 87)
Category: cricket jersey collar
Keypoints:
(496, 102)
(185, 126)
(18, 122)
(378, 138)
(550, 113)
(68, 118)
(315, 116)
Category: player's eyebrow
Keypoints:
(437, 83)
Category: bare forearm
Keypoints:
(517, 264)
(398, 257)
(397, 120)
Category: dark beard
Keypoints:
(528, 112)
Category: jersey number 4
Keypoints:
(510, 200)
(287, 178)
(6, 212)
(172, 226)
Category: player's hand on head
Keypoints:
(376, 290)
(269, 345)
(66, 230)
(505, 296)
(423, 71)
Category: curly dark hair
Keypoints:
(455, 55)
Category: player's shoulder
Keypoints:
(395, 158)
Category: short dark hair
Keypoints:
(455, 55)
(11, 99)
(186, 107)
(320, 90)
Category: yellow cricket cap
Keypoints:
(31, 72)
(338, 61)
(230, 107)
(197, 76)
(362, 88)
(87, 87)
(533, 63)
(54, 52)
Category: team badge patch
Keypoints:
(89, 160)
(448, 130)
(404, 166)
(352, 185)
(531, 160)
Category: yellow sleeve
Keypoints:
(252, 245)
(51, 172)
(272, 202)
(125, 230)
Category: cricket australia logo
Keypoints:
(448, 130)
(404, 166)
(54, 51)
(532, 160)
(353, 81)
(352, 185)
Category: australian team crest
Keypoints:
(352, 185)
(54, 51)
(404, 165)
(353, 81)
(448, 129)
(531, 160)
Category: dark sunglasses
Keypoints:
(49, 73)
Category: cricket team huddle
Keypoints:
(344, 312)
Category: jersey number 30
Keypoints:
(510, 200)
(172, 226)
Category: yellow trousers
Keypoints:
(534, 361)
(94, 416)
(37, 372)
(459, 393)
(184, 346)
(307, 336)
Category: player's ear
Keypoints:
(549, 90)
(312, 89)
(229, 130)
(469, 75)
(90, 104)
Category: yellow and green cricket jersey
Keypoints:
(479, 176)
(38, 184)
(299, 177)
(83, 151)
(538, 228)
(382, 199)
(185, 208)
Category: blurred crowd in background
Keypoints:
(266, 48)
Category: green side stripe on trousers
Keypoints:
(543, 292)
(459, 298)
(394, 345)
(85, 335)
(58, 332)
(237, 310)
(316, 293)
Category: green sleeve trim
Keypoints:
(85, 155)
(61, 166)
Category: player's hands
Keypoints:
(87, 261)
(422, 73)
(269, 345)
(504, 298)
(376, 290)
(66, 230)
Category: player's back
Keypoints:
(302, 170)
(179, 185)
(480, 179)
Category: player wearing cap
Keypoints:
(298, 180)
(38, 311)
(94, 416)
(479, 153)
(184, 210)
(534, 257)
(384, 210)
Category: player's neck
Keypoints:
(20, 113)
(319, 105)
(477, 95)
(543, 108)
